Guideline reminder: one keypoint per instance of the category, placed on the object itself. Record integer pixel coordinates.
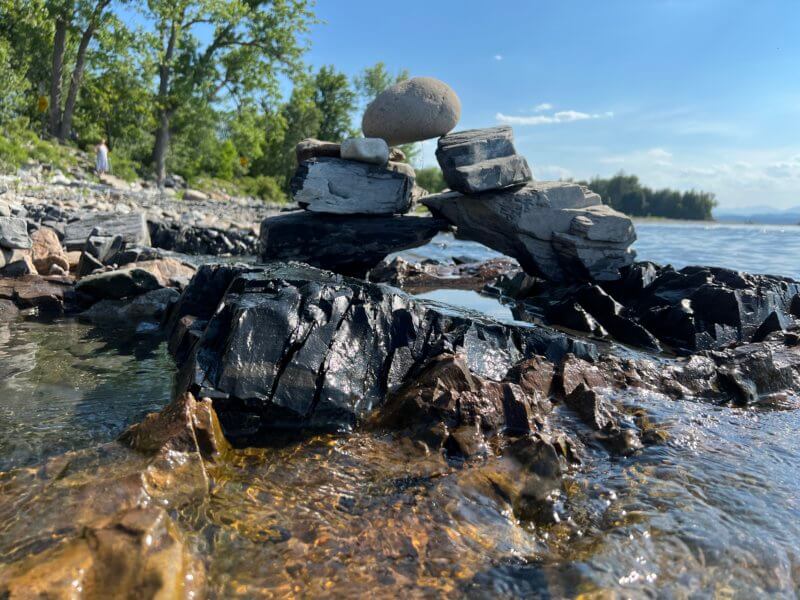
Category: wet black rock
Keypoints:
(687, 310)
(287, 345)
(346, 244)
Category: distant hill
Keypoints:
(763, 215)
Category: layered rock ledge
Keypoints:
(557, 230)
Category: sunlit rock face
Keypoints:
(557, 230)
(291, 346)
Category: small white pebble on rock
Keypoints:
(368, 150)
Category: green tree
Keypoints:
(14, 87)
(431, 179)
(251, 42)
(335, 100)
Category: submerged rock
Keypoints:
(556, 230)
(346, 244)
(331, 185)
(413, 110)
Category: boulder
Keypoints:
(345, 244)
(15, 263)
(115, 285)
(149, 307)
(480, 160)
(14, 234)
(332, 347)
(313, 148)
(332, 185)
(414, 110)
(191, 195)
(368, 150)
(132, 227)
(556, 230)
(47, 294)
(47, 251)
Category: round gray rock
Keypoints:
(411, 111)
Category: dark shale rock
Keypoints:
(336, 186)
(115, 285)
(696, 308)
(347, 244)
(479, 160)
(202, 240)
(335, 346)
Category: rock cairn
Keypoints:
(356, 193)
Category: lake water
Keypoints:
(714, 512)
(773, 249)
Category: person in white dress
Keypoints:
(101, 162)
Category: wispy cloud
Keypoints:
(562, 116)
(543, 107)
(498, 57)
(552, 172)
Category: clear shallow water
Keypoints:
(63, 386)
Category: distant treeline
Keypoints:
(625, 193)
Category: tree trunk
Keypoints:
(77, 73)
(65, 126)
(165, 109)
(161, 147)
(59, 49)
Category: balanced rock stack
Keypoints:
(556, 230)
(355, 195)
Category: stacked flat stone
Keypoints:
(480, 160)
(557, 230)
(355, 195)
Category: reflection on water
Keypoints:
(471, 300)
(64, 386)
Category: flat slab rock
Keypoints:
(557, 230)
(346, 244)
(479, 160)
(131, 227)
(291, 346)
(337, 186)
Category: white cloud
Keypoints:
(552, 172)
(542, 107)
(498, 57)
(659, 154)
(563, 116)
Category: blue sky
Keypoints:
(687, 94)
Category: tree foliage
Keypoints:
(626, 194)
